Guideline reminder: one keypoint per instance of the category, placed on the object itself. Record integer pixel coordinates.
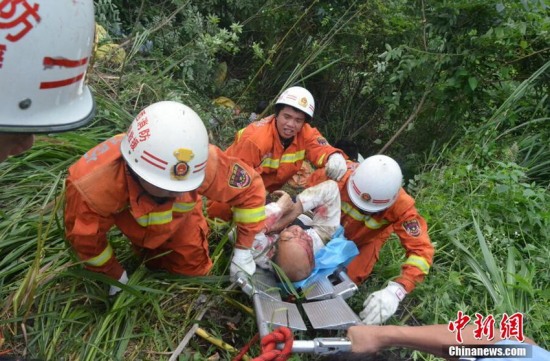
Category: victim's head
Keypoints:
(295, 253)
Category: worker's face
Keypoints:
(14, 143)
(158, 192)
(289, 122)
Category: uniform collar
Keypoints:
(141, 202)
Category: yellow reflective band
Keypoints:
(156, 218)
(293, 157)
(286, 158)
(373, 223)
(320, 161)
(270, 163)
(249, 215)
(183, 207)
(240, 133)
(360, 217)
(418, 262)
(101, 258)
(352, 212)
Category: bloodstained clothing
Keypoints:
(323, 200)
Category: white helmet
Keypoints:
(375, 184)
(299, 98)
(45, 47)
(167, 146)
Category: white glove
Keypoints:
(336, 166)
(381, 305)
(242, 261)
(113, 290)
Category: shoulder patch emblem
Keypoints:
(322, 141)
(412, 227)
(239, 177)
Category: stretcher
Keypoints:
(323, 307)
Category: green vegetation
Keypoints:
(456, 91)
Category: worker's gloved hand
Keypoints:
(336, 166)
(242, 261)
(381, 305)
(113, 290)
(263, 250)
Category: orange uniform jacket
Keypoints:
(101, 193)
(370, 232)
(259, 146)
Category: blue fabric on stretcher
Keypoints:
(339, 251)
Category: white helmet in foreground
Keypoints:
(299, 98)
(375, 184)
(45, 47)
(167, 146)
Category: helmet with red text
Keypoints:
(45, 49)
(167, 146)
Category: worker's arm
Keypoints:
(318, 150)
(412, 230)
(229, 180)
(86, 230)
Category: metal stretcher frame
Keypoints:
(324, 305)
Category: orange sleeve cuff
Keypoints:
(407, 283)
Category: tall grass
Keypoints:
(51, 308)
(487, 205)
(483, 195)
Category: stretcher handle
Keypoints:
(241, 278)
(321, 346)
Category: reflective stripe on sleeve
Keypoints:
(101, 258)
(320, 161)
(240, 133)
(248, 215)
(418, 262)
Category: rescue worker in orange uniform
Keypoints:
(277, 146)
(45, 50)
(148, 183)
(374, 205)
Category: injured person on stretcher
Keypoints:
(296, 231)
